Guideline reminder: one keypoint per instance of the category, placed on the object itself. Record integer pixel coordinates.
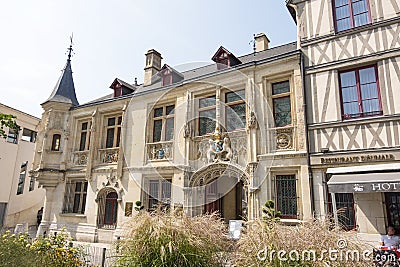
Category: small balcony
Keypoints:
(160, 151)
(109, 155)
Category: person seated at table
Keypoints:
(390, 240)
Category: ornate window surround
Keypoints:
(56, 142)
(80, 132)
(116, 126)
(163, 118)
(70, 194)
(220, 105)
(269, 81)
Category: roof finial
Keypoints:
(70, 50)
(254, 43)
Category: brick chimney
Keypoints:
(153, 65)
(261, 42)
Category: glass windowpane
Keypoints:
(110, 138)
(111, 122)
(342, 12)
(341, 2)
(235, 117)
(170, 110)
(207, 102)
(348, 79)
(118, 137)
(158, 112)
(235, 96)
(166, 190)
(82, 145)
(367, 75)
(343, 24)
(349, 94)
(371, 106)
(157, 130)
(206, 121)
(169, 129)
(77, 200)
(281, 87)
(282, 111)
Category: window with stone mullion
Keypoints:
(281, 103)
(206, 115)
(163, 123)
(75, 197)
(113, 131)
(84, 136)
(235, 110)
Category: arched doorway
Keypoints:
(230, 201)
(220, 187)
(108, 209)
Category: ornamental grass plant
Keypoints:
(174, 239)
(262, 240)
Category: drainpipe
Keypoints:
(310, 175)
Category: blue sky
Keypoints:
(111, 38)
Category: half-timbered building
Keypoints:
(352, 75)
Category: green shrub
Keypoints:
(15, 251)
(54, 251)
(174, 239)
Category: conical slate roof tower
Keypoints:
(64, 91)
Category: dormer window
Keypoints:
(225, 59)
(122, 88)
(118, 90)
(169, 75)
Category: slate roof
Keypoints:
(208, 70)
(64, 91)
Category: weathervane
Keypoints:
(253, 42)
(70, 50)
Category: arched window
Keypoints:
(55, 144)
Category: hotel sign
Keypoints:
(365, 182)
(376, 187)
(357, 159)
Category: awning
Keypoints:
(365, 182)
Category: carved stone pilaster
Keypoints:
(251, 170)
(188, 131)
(252, 121)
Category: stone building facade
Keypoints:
(351, 62)
(227, 136)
